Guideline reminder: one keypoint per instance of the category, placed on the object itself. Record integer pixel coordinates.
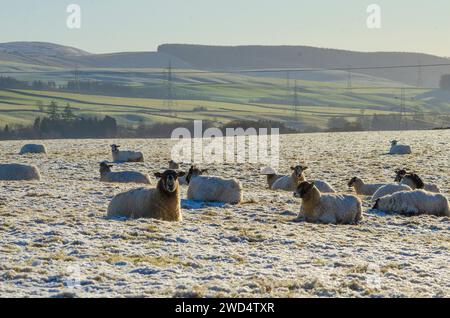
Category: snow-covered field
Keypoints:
(55, 240)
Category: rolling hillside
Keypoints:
(221, 96)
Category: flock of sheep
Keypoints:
(408, 194)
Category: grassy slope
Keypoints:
(231, 96)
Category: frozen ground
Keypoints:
(56, 241)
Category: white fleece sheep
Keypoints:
(414, 203)
(397, 149)
(214, 189)
(106, 175)
(389, 189)
(16, 172)
(290, 183)
(327, 208)
(162, 203)
(125, 156)
(415, 182)
(362, 188)
(271, 175)
(33, 148)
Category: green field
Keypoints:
(225, 97)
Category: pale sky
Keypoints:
(141, 25)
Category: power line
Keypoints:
(349, 79)
(288, 87)
(243, 71)
(419, 74)
(77, 78)
(296, 100)
(169, 102)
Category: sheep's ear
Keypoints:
(204, 170)
(181, 173)
(375, 207)
(305, 168)
(158, 175)
(292, 168)
(110, 166)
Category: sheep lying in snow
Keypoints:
(327, 208)
(290, 183)
(32, 148)
(414, 203)
(162, 203)
(106, 175)
(397, 149)
(184, 180)
(272, 176)
(16, 172)
(125, 156)
(362, 188)
(174, 165)
(414, 181)
(389, 189)
(213, 189)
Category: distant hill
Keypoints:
(256, 57)
(33, 55)
(54, 55)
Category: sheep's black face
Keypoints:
(298, 170)
(115, 148)
(104, 167)
(417, 180)
(169, 179)
(376, 206)
(303, 189)
(399, 175)
(394, 142)
(351, 182)
(194, 172)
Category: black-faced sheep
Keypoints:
(414, 203)
(33, 149)
(327, 208)
(174, 165)
(125, 156)
(290, 183)
(106, 175)
(16, 172)
(414, 181)
(397, 149)
(389, 189)
(362, 188)
(271, 175)
(162, 203)
(213, 189)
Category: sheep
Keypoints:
(327, 208)
(32, 148)
(162, 202)
(397, 149)
(197, 172)
(213, 189)
(106, 175)
(271, 175)
(290, 183)
(174, 165)
(414, 203)
(389, 189)
(362, 188)
(16, 172)
(125, 156)
(414, 181)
